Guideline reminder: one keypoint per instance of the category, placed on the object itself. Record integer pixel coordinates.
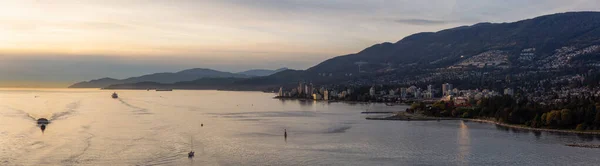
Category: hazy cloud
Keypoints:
(421, 21)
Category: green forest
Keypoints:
(573, 113)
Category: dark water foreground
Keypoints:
(246, 128)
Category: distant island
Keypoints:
(171, 78)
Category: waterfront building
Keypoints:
(317, 96)
(430, 88)
(417, 93)
(280, 94)
(372, 91)
(446, 88)
(325, 94)
(300, 88)
(342, 95)
(509, 91)
(428, 95)
(403, 92)
(411, 89)
(308, 90)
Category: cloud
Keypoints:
(421, 21)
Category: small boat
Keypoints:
(43, 121)
(114, 95)
(191, 153)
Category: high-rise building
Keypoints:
(317, 96)
(308, 90)
(372, 91)
(509, 92)
(446, 89)
(403, 92)
(280, 94)
(430, 88)
(325, 94)
(300, 88)
(417, 93)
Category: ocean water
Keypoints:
(88, 127)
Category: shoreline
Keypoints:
(531, 128)
(343, 101)
(405, 117)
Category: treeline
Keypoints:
(573, 113)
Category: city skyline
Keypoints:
(56, 43)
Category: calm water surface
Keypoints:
(246, 128)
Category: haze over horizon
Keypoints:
(55, 43)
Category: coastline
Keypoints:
(531, 128)
(343, 101)
(412, 117)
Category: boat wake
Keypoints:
(337, 129)
(70, 110)
(137, 110)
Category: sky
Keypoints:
(53, 43)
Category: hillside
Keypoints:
(483, 55)
(261, 72)
(164, 78)
(202, 83)
(552, 42)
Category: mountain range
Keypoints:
(181, 76)
(530, 50)
(553, 42)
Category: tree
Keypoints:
(537, 121)
(566, 117)
(550, 116)
(597, 120)
(440, 105)
(543, 119)
(580, 127)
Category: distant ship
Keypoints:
(114, 95)
(164, 90)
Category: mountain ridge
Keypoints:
(551, 44)
(174, 77)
